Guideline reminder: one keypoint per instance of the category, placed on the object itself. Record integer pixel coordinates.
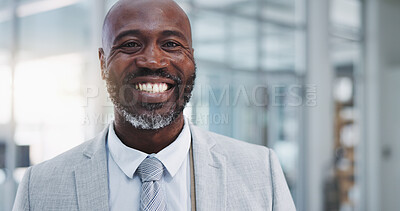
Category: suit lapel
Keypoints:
(91, 177)
(210, 172)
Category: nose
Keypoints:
(152, 58)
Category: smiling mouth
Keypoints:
(153, 87)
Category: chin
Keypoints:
(149, 117)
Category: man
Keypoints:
(151, 158)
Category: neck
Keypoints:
(148, 141)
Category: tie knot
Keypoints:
(151, 169)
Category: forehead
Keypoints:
(147, 16)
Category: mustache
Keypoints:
(147, 72)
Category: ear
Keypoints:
(102, 59)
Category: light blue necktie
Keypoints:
(152, 197)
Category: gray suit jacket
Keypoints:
(229, 175)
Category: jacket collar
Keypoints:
(91, 176)
(209, 170)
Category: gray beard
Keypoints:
(151, 121)
(146, 121)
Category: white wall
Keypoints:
(389, 50)
(383, 99)
(319, 137)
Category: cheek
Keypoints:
(185, 65)
(120, 66)
(186, 68)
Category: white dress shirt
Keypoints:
(125, 184)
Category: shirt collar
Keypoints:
(129, 159)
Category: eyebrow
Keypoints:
(135, 32)
(174, 33)
(126, 33)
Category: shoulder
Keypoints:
(53, 182)
(227, 143)
(234, 150)
(66, 162)
(255, 176)
(232, 145)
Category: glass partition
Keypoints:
(48, 78)
(251, 61)
(346, 60)
(5, 102)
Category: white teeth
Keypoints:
(152, 88)
(155, 88)
(149, 88)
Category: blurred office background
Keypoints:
(316, 80)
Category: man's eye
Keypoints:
(131, 45)
(171, 45)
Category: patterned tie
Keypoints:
(152, 198)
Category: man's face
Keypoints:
(148, 62)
